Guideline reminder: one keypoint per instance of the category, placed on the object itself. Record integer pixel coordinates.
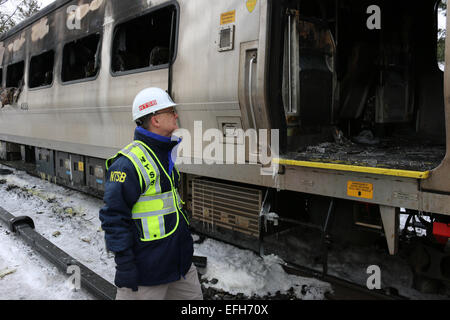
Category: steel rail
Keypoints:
(24, 227)
(344, 289)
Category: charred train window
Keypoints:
(41, 70)
(81, 58)
(14, 75)
(144, 42)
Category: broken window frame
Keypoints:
(53, 71)
(173, 47)
(97, 57)
(23, 74)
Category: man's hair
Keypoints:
(144, 121)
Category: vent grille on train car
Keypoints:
(226, 38)
(226, 205)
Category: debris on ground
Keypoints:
(5, 272)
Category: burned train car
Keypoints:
(349, 91)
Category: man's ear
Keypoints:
(154, 122)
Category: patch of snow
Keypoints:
(28, 276)
(242, 271)
(67, 218)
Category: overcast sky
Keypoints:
(10, 6)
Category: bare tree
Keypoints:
(14, 11)
(442, 33)
(442, 5)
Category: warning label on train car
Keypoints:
(228, 17)
(251, 4)
(360, 189)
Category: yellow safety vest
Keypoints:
(153, 204)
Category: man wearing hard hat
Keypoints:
(144, 223)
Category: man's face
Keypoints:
(167, 119)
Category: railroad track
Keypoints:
(102, 289)
(23, 226)
(343, 289)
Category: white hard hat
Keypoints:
(150, 100)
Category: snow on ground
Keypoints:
(69, 219)
(242, 271)
(57, 213)
(26, 275)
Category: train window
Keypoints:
(144, 42)
(14, 75)
(81, 58)
(41, 70)
(441, 33)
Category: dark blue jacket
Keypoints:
(157, 262)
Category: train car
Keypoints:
(330, 114)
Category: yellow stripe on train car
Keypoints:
(344, 167)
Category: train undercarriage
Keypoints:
(304, 229)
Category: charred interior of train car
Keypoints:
(358, 86)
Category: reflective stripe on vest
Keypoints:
(139, 157)
(152, 205)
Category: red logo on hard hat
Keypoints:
(148, 105)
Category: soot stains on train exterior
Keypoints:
(146, 42)
(81, 58)
(144, 39)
